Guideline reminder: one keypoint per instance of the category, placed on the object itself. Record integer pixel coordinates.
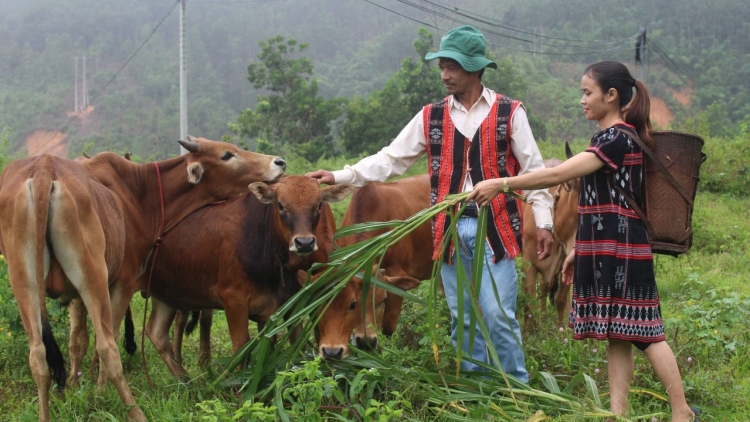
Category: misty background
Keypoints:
(354, 76)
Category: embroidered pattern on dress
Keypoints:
(590, 195)
(622, 225)
(597, 219)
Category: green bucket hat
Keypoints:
(465, 45)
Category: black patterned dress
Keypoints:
(614, 293)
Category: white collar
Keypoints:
(487, 94)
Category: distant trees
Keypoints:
(293, 117)
(372, 123)
(358, 52)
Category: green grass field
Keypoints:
(705, 303)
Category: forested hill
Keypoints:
(697, 63)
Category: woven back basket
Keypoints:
(666, 206)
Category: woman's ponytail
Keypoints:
(637, 113)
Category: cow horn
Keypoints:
(568, 152)
(190, 144)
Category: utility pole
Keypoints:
(84, 94)
(183, 81)
(75, 88)
(640, 53)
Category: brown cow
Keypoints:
(344, 313)
(565, 217)
(75, 230)
(241, 256)
(411, 256)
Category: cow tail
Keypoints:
(41, 187)
(129, 340)
(194, 317)
(55, 359)
(554, 288)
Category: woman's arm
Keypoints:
(579, 165)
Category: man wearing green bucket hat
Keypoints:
(472, 135)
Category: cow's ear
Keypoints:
(262, 192)
(195, 173)
(404, 282)
(336, 193)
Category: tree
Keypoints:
(293, 118)
(373, 123)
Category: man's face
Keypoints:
(454, 77)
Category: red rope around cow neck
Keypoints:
(151, 272)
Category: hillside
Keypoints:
(355, 47)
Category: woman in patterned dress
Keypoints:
(614, 295)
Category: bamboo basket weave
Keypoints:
(666, 208)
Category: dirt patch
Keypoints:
(47, 142)
(683, 96)
(661, 115)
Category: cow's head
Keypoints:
(230, 167)
(298, 201)
(344, 315)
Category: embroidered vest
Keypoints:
(488, 155)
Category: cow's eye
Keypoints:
(353, 305)
(281, 207)
(226, 156)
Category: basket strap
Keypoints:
(660, 166)
(638, 210)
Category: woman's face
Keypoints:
(596, 105)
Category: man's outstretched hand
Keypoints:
(543, 243)
(322, 176)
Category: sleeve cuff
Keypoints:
(542, 215)
(343, 176)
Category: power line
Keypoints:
(115, 75)
(671, 64)
(489, 31)
(519, 29)
(238, 1)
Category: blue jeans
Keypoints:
(504, 330)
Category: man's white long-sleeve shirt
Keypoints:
(403, 152)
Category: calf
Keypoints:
(344, 314)
(410, 257)
(241, 256)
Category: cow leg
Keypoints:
(204, 350)
(106, 347)
(562, 302)
(178, 333)
(29, 307)
(157, 331)
(236, 312)
(78, 344)
(530, 290)
(120, 294)
(80, 251)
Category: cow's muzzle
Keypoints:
(304, 245)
